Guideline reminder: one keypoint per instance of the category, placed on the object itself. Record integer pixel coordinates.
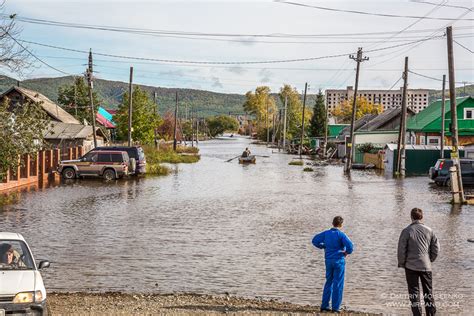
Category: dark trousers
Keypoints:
(413, 278)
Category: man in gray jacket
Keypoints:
(418, 247)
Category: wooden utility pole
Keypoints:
(284, 122)
(192, 126)
(402, 128)
(326, 122)
(266, 123)
(75, 97)
(175, 122)
(443, 120)
(130, 107)
(302, 119)
(155, 110)
(349, 147)
(90, 71)
(456, 188)
(197, 130)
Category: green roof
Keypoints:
(425, 120)
(335, 129)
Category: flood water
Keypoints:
(215, 227)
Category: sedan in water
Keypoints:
(22, 290)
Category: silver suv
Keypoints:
(109, 164)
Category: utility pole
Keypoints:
(456, 186)
(302, 119)
(443, 121)
(402, 129)
(197, 131)
(75, 97)
(273, 128)
(175, 122)
(284, 122)
(349, 146)
(192, 126)
(326, 123)
(266, 119)
(156, 115)
(130, 107)
(90, 71)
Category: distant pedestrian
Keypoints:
(336, 247)
(418, 247)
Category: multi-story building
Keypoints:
(389, 99)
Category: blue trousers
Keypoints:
(334, 285)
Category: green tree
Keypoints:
(74, 98)
(294, 110)
(222, 123)
(144, 118)
(261, 104)
(318, 121)
(21, 130)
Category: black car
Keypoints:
(135, 152)
(440, 172)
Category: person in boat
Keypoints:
(246, 153)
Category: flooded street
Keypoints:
(215, 227)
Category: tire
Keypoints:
(68, 173)
(448, 183)
(109, 175)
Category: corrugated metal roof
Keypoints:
(420, 147)
(431, 113)
(60, 130)
(49, 106)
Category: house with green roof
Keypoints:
(424, 128)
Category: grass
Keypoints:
(157, 169)
(308, 169)
(166, 154)
(296, 163)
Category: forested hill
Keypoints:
(110, 92)
(207, 103)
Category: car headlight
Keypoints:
(23, 297)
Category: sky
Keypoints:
(238, 34)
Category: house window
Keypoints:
(469, 113)
(433, 140)
(422, 140)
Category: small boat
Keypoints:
(249, 159)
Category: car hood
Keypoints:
(70, 161)
(13, 282)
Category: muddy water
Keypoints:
(217, 227)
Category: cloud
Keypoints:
(266, 74)
(239, 70)
(216, 83)
(177, 73)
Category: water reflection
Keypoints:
(245, 229)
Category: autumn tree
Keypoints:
(21, 129)
(261, 104)
(343, 111)
(222, 123)
(74, 98)
(318, 121)
(144, 118)
(294, 110)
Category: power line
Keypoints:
(395, 83)
(443, 5)
(472, 52)
(369, 13)
(225, 62)
(437, 79)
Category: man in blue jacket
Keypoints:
(336, 247)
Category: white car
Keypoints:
(22, 290)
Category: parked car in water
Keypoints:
(440, 172)
(135, 153)
(110, 165)
(22, 291)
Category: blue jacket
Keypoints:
(334, 242)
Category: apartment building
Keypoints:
(389, 99)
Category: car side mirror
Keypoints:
(43, 264)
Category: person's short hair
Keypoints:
(416, 214)
(337, 221)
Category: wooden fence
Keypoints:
(38, 168)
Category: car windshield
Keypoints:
(14, 255)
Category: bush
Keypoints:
(296, 163)
(367, 148)
(157, 169)
(308, 169)
(168, 155)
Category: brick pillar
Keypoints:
(81, 151)
(27, 166)
(42, 165)
(18, 171)
(69, 153)
(76, 153)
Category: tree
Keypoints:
(166, 128)
(144, 118)
(319, 119)
(222, 123)
(21, 130)
(343, 111)
(262, 105)
(74, 98)
(294, 110)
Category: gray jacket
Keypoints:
(417, 247)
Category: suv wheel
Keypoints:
(69, 173)
(109, 175)
(448, 183)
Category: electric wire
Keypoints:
(472, 52)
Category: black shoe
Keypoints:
(324, 310)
